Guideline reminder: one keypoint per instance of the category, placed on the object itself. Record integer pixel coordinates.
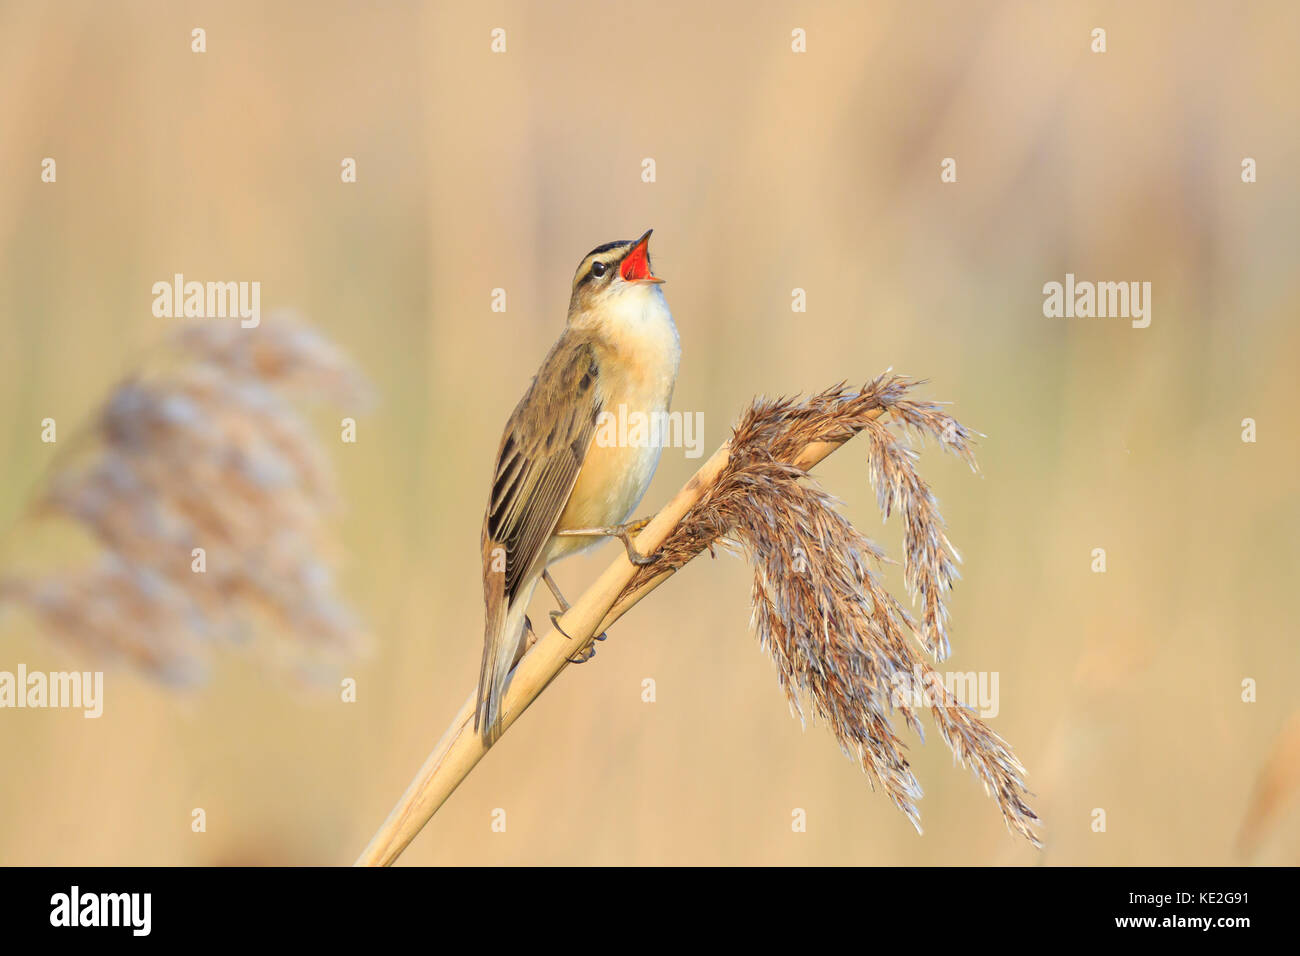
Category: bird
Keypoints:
(561, 484)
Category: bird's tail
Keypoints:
(502, 641)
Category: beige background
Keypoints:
(775, 170)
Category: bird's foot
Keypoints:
(624, 533)
(590, 650)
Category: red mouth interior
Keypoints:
(636, 264)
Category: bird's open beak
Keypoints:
(635, 266)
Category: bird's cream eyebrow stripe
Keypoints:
(586, 267)
(597, 255)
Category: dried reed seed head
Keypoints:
(841, 643)
(209, 453)
(283, 353)
(117, 610)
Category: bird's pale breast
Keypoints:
(636, 387)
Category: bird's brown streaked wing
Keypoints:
(541, 453)
(542, 450)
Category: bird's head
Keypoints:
(611, 272)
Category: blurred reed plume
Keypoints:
(839, 639)
(205, 450)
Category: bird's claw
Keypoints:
(624, 533)
(590, 650)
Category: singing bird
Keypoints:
(559, 483)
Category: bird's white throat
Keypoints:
(640, 324)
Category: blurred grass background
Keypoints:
(774, 171)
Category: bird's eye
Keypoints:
(598, 269)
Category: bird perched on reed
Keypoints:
(559, 483)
